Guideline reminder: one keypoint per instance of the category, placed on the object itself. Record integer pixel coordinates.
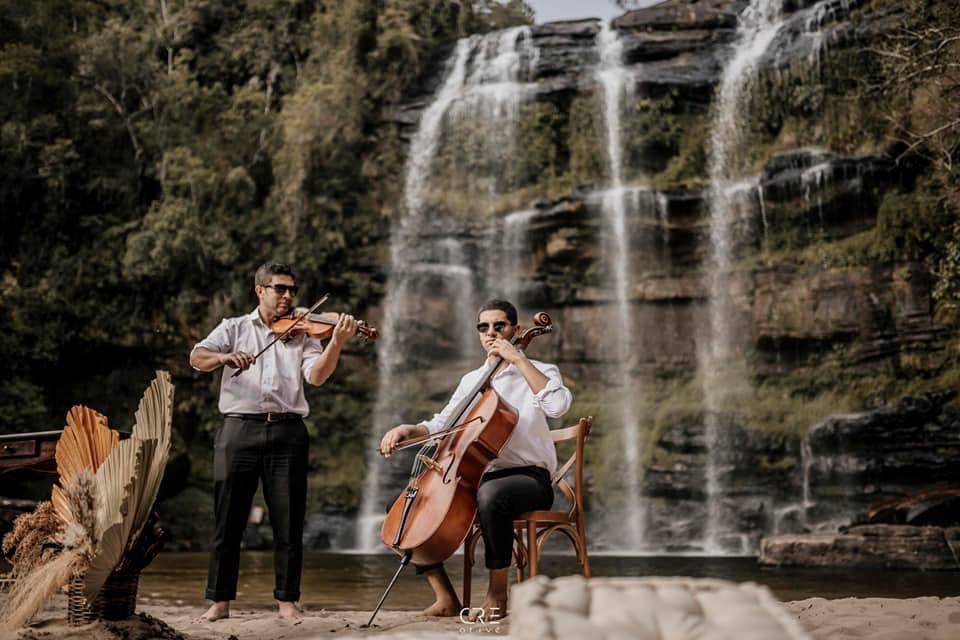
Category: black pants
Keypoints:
(502, 496)
(246, 452)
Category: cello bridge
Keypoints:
(429, 462)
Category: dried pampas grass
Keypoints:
(32, 590)
(30, 593)
(30, 530)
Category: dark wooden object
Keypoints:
(29, 450)
(34, 451)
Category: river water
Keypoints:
(355, 582)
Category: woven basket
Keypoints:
(116, 600)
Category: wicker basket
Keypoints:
(116, 600)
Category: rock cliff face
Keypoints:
(823, 326)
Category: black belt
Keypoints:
(265, 417)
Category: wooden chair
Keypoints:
(531, 529)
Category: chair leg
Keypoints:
(518, 562)
(586, 560)
(520, 555)
(532, 552)
(582, 542)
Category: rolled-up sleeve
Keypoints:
(554, 399)
(312, 348)
(220, 340)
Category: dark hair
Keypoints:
(269, 269)
(500, 305)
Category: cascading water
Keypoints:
(616, 85)
(759, 24)
(509, 255)
(430, 256)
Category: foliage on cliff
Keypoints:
(923, 65)
(891, 91)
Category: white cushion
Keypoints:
(648, 609)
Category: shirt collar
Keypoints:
(255, 317)
(508, 370)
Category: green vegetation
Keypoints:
(893, 95)
(154, 153)
(665, 144)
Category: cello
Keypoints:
(430, 519)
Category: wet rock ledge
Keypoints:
(867, 547)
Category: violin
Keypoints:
(317, 325)
(307, 322)
(430, 519)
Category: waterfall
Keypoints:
(616, 85)
(818, 16)
(509, 256)
(813, 181)
(759, 24)
(486, 80)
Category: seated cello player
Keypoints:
(519, 479)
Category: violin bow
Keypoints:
(289, 329)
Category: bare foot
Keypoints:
(217, 611)
(443, 608)
(290, 611)
(493, 608)
(447, 604)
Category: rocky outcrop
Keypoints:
(756, 482)
(683, 16)
(891, 451)
(805, 292)
(791, 313)
(867, 547)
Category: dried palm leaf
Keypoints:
(60, 507)
(115, 482)
(153, 425)
(85, 443)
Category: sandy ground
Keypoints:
(845, 619)
(880, 618)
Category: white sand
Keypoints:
(845, 619)
(880, 618)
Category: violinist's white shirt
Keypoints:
(530, 443)
(275, 382)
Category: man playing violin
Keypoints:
(519, 479)
(263, 437)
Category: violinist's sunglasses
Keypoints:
(498, 326)
(283, 288)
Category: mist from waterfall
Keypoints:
(430, 259)
(759, 24)
(617, 86)
(508, 266)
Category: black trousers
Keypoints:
(501, 497)
(247, 452)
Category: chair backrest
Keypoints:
(580, 431)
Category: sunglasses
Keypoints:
(283, 288)
(498, 326)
